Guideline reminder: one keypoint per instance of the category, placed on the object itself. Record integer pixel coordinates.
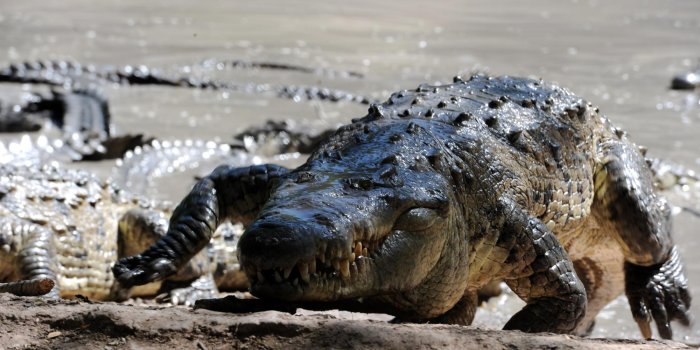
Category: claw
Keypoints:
(658, 311)
(658, 292)
(645, 328)
(131, 271)
(683, 316)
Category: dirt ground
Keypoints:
(35, 323)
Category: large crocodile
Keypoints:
(439, 191)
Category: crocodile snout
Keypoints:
(303, 253)
(278, 242)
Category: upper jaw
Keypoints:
(337, 269)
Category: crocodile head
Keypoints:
(368, 214)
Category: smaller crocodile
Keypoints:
(82, 117)
(27, 150)
(68, 227)
(278, 66)
(69, 74)
(75, 111)
(21, 116)
(279, 137)
(440, 191)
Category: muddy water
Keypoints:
(620, 55)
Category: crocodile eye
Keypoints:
(416, 219)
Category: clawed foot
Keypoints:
(138, 270)
(660, 293)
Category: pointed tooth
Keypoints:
(345, 269)
(352, 257)
(304, 272)
(353, 269)
(278, 278)
(365, 252)
(358, 249)
(336, 264)
(287, 272)
(312, 266)
(260, 276)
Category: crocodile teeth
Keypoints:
(304, 272)
(345, 269)
(365, 252)
(358, 249)
(336, 264)
(278, 278)
(312, 266)
(360, 265)
(287, 272)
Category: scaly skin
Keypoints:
(83, 117)
(72, 111)
(269, 65)
(61, 225)
(436, 193)
(75, 75)
(21, 116)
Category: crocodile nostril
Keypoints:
(278, 242)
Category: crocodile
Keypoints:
(61, 224)
(70, 74)
(67, 218)
(79, 110)
(21, 116)
(439, 191)
(82, 118)
(277, 66)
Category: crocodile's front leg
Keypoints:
(140, 228)
(32, 247)
(228, 193)
(655, 283)
(542, 275)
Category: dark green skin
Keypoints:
(448, 188)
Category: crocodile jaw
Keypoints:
(397, 262)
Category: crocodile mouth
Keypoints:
(323, 277)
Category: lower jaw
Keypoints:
(329, 290)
